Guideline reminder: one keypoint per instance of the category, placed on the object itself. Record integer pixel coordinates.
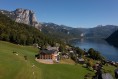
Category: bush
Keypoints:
(90, 63)
(90, 68)
(88, 76)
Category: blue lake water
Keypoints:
(108, 51)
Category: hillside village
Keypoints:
(29, 45)
(53, 55)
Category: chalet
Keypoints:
(48, 56)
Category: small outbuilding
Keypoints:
(81, 60)
(107, 76)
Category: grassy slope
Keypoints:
(110, 69)
(15, 67)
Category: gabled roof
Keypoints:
(48, 51)
(81, 59)
(52, 48)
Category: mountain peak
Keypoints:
(21, 15)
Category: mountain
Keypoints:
(65, 32)
(101, 31)
(113, 39)
(59, 31)
(24, 34)
(23, 16)
(28, 17)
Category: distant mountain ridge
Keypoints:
(62, 30)
(101, 31)
(59, 31)
(23, 16)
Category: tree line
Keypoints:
(91, 53)
(23, 34)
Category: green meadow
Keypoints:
(14, 66)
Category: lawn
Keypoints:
(110, 69)
(16, 67)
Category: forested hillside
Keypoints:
(65, 32)
(101, 31)
(22, 34)
(113, 38)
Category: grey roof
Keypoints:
(81, 59)
(107, 76)
(52, 48)
(48, 51)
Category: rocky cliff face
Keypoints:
(23, 16)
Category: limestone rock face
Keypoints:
(27, 17)
(23, 16)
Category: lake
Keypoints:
(108, 51)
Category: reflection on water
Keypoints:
(108, 51)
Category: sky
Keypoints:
(73, 13)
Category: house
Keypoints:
(65, 55)
(81, 60)
(71, 51)
(48, 55)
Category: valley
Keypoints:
(23, 40)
